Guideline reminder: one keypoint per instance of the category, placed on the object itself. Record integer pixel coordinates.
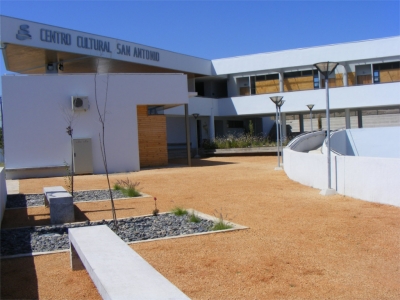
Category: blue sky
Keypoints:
(218, 29)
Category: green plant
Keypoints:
(194, 218)
(240, 141)
(251, 128)
(179, 211)
(127, 187)
(221, 224)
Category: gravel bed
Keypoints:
(51, 238)
(29, 200)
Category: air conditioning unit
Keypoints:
(80, 103)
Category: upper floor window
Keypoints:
(386, 72)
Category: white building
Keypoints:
(147, 90)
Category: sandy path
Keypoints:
(300, 245)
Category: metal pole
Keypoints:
(311, 119)
(280, 134)
(197, 140)
(189, 158)
(328, 133)
(277, 135)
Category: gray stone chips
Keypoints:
(27, 200)
(51, 238)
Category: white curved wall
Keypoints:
(367, 178)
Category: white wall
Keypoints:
(375, 142)
(339, 98)
(361, 50)
(3, 193)
(372, 179)
(34, 125)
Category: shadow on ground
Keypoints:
(26, 287)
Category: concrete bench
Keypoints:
(61, 204)
(117, 271)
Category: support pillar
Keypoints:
(281, 88)
(301, 123)
(359, 114)
(211, 126)
(345, 78)
(189, 154)
(347, 118)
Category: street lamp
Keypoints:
(310, 107)
(326, 68)
(276, 100)
(280, 103)
(197, 138)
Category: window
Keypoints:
(386, 72)
(235, 124)
(155, 110)
(376, 76)
(316, 79)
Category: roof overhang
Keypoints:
(29, 47)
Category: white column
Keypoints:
(211, 126)
(347, 117)
(345, 78)
(281, 82)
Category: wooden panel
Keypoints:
(338, 80)
(390, 75)
(298, 84)
(244, 91)
(333, 82)
(364, 79)
(152, 131)
(351, 78)
(267, 86)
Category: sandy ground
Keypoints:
(300, 245)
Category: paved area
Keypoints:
(299, 245)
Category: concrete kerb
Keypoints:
(235, 227)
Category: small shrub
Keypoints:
(194, 218)
(155, 210)
(68, 178)
(179, 211)
(220, 225)
(127, 187)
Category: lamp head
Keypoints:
(310, 106)
(280, 103)
(276, 99)
(326, 68)
(195, 115)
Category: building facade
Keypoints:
(152, 95)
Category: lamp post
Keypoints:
(310, 107)
(197, 138)
(276, 100)
(280, 103)
(326, 68)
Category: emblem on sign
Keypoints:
(23, 33)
